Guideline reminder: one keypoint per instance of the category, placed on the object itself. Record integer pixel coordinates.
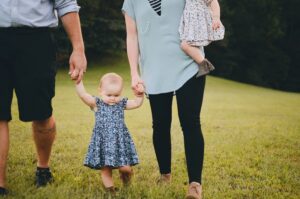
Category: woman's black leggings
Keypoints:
(189, 101)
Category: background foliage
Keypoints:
(261, 46)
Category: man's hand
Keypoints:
(78, 65)
(71, 23)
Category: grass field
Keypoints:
(252, 145)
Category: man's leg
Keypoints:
(44, 132)
(4, 146)
(7, 50)
(35, 88)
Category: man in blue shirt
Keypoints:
(27, 56)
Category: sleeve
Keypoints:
(128, 8)
(65, 6)
(124, 102)
(98, 103)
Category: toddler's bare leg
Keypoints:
(106, 175)
(192, 51)
(125, 174)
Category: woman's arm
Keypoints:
(84, 96)
(133, 52)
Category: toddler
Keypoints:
(200, 25)
(111, 146)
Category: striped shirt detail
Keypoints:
(156, 5)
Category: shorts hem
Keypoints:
(30, 119)
(7, 119)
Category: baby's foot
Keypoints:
(205, 67)
(126, 177)
(111, 190)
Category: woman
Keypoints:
(153, 42)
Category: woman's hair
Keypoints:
(111, 78)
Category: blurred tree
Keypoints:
(102, 26)
(290, 42)
(260, 46)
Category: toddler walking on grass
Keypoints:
(111, 146)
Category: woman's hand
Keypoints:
(137, 84)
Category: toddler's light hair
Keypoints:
(111, 78)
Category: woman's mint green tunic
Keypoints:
(164, 66)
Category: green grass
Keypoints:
(252, 144)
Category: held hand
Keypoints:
(140, 90)
(78, 65)
(216, 23)
(137, 84)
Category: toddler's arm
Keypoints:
(139, 98)
(84, 96)
(135, 103)
(215, 8)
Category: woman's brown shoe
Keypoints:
(164, 179)
(194, 191)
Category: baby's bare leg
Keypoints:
(125, 174)
(106, 175)
(192, 51)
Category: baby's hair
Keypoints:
(111, 78)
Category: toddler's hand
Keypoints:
(140, 90)
(216, 23)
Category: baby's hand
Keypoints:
(140, 90)
(216, 23)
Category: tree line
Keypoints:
(261, 44)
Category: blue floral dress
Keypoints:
(111, 144)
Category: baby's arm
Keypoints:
(135, 103)
(138, 101)
(84, 96)
(215, 8)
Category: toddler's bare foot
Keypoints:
(126, 177)
(111, 190)
(126, 173)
